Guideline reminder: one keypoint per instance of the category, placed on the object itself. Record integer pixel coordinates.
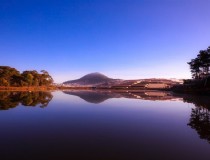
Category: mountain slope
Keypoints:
(101, 81)
(91, 79)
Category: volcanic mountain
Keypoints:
(101, 81)
(92, 79)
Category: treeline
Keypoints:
(200, 65)
(11, 77)
(200, 70)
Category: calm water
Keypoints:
(104, 126)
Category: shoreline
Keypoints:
(40, 88)
(44, 88)
(178, 90)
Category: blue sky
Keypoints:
(127, 39)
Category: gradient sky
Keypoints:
(126, 39)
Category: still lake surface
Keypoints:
(104, 125)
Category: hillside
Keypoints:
(99, 80)
(92, 79)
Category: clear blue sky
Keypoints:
(127, 39)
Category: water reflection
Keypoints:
(96, 97)
(199, 119)
(200, 115)
(135, 130)
(10, 100)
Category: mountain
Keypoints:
(99, 80)
(92, 79)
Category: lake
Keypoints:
(104, 125)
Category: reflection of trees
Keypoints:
(12, 99)
(200, 122)
(200, 115)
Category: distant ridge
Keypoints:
(91, 79)
(99, 80)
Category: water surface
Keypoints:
(104, 125)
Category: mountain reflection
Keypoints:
(13, 99)
(200, 114)
(199, 119)
(92, 96)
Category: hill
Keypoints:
(99, 80)
(92, 79)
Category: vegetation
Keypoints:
(200, 69)
(10, 77)
(200, 65)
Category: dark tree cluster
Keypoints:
(12, 77)
(200, 65)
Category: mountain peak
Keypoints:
(89, 79)
(95, 75)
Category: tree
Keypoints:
(200, 65)
(46, 79)
(8, 76)
(195, 68)
(11, 77)
(204, 58)
(28, 77)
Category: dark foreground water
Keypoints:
(104, 126)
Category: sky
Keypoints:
(127, 39)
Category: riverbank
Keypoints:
(194, 86)
(181, 89)
(39, 88)
(188, 90)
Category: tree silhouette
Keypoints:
(195, 68)
(200, 65)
